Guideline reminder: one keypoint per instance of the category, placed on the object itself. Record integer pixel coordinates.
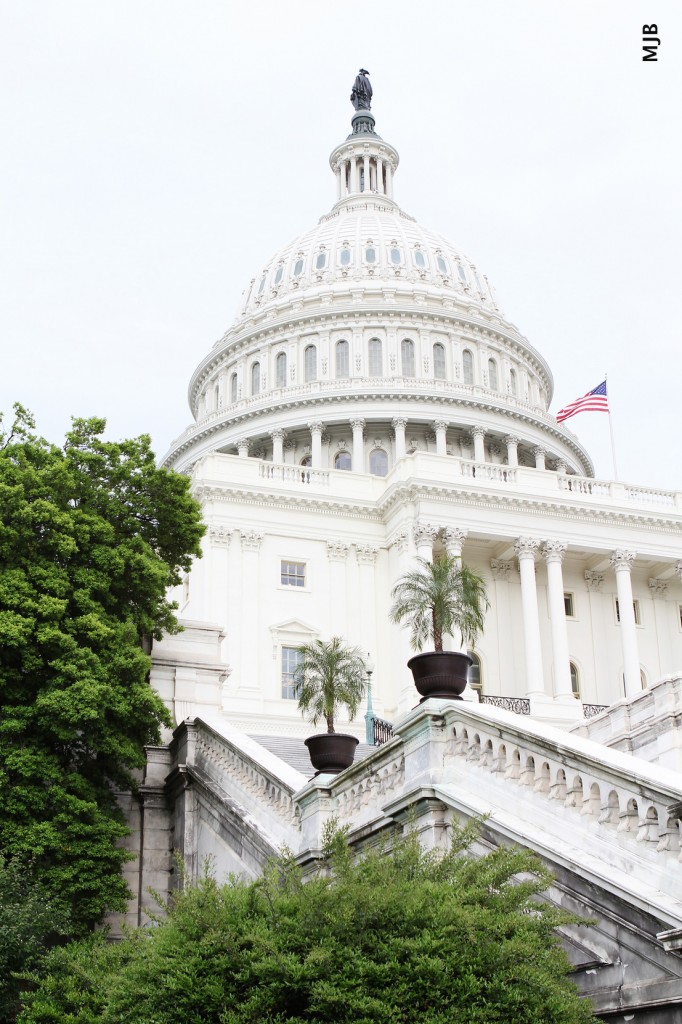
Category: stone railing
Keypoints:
(293, 474)
(488, 471)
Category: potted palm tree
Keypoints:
(436, 599)
(329, 676)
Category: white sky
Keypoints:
(155, 153)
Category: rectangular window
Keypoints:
(291, 659)
(292, 574)
(568, 605)
(635, 608)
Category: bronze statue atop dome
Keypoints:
(361, 95)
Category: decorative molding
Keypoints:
(290, 445)
(503, 569)
(594, 580)
(251, 540)
(400, 540)
(657, 588)
(220, 535)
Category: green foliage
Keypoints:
(91, 536)
(330, 675)
(395, 938)
(438, 598)
(29, 923)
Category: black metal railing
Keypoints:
(383, 731)
(590, 710)
(519, 705)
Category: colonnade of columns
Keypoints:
(376, 176)
(399, 424)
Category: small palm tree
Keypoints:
(329, 676)
(440, 597)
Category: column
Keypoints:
(505, 611)
(277, 445)
(354, 174)
(219, 576)
(554, 552)
(366, 172)
(403, 696)
(512, 450)
(337, 554)
(380, 175)
(399, 428)
(525, 549)
(424, 536)
(478, 434)
(358, 445)
(622, 563)
(659, 589)
(389, 180)
(539, 454)
(315, 444)
(440, 426)
(339, 182)
(250, 597)
(243, 448)
(454, 538)
(560, 466)
(366, 555)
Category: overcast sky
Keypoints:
(155, 153)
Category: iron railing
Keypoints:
(590, 710)
(519, 705)
(383, 731)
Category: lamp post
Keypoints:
(369, 715)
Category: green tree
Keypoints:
(330, 675)
(91, 536)
(395, 938)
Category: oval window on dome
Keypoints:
(370, 255)
(344, 258)
(442, 265)
(462, 273)
(419, 258)
(321, 261)
(396, 256)
(298, 267)
(278, 275)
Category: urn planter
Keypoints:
(442, 674)
(331, 752)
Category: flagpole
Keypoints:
(613, 446)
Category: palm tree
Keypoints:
(329, 676)
(438, 597)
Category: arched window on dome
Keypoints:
(462, 273)
(442, 265)
(376, 363)
(419, 259)
(342, 355)
(255, 379)
(513, 384)
(310, 363)
(370, 254)
(281, 370)
(475, 673)
(321, 260)
(298, 267)
(345, 257)
(378, 462)
(216, 397)
(278, 275)
(342, 460)
(439, 361)
(407, 357)
(575, 680)
(492, 375)
(261, 286)
(467, 366)
(233, 387)
(396, 256)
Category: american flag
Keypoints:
(594, 401)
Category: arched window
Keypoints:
(396, 256)
(462, 273)
(306, 460)
(513, 385)
(281, 370)
(216, 397)
(378, 462)
(321, 261)
(375, 358)
(467, 366)
(310, 362)
(261, 286)
(233, 387)
(342, 359)
(575, 681)
(370, 255)
(298, 267)
(345, 257)
(439, 361)
(407, 357)
(475, 673)
(278, 275)
(442, 265)
(492, 374)
(255, 379)
(419, 259)
(342, 460)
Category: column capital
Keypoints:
(622, 559)
(357, 424)
(243, 445)
(539, 452)
(511, 439)
(477, 432)
(278, 434)
(424, 533)
(337, 550)
(554, 551)
(594, 580)
(658, 588)
(251, 540)
(399, 422)
(366, 553)
(526, 547)
(220, 535)
(678, 571)
(502, 569)
(440, 425)
(560, 466)
(399, 540)
(316, 427)
(454, 536)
